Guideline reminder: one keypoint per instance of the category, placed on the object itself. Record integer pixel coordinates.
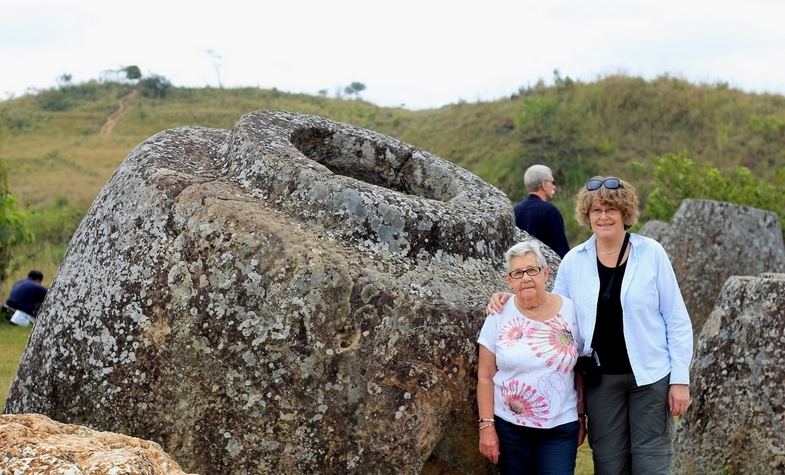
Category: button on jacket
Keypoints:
(657, 328)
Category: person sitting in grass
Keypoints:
(26, 298)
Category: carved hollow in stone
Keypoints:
(294, 295)
(369, 188)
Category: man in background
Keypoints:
(536, 215)
(26, 298)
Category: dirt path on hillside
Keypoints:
(111, 121)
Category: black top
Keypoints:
(542, 220)
(608, 340)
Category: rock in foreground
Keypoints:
(32, 443)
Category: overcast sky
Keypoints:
(419, 53)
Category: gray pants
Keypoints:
(630, 427)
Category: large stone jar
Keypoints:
(736, 424)
(709, 241)
(293, 295)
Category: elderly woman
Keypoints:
(636, 329)
(526, 390)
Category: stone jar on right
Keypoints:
(736, 424)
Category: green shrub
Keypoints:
(54, 100)
(155, 86)
(12, 226)
(17, 122)
(677, 177)
(769, 127)
(69, 95)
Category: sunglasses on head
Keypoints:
(610, 183)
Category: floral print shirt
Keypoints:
(534, 385)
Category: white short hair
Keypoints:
(525, 247)
(535, 176)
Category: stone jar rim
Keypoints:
(368, 187)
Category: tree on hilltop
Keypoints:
(216, 60)
(354, 89)
(132, 73)
(64, 80)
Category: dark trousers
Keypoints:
(527, 450)
(630, 426)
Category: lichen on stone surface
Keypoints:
(738, 370)
(294, 295)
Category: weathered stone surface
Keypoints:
(736, 424)
(294, 295)
(709, 241)
(32, 443)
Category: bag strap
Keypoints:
(607, 294)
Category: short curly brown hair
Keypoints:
(624, 198)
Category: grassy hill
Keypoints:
(58, 151)
(57, 156)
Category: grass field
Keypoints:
(12, 343)
(584, 465)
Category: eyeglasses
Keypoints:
(519, 273)
(610, 183)
(610, 211)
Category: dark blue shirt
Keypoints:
(542, 220)
(26, 295)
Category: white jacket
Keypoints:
(657, 328)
